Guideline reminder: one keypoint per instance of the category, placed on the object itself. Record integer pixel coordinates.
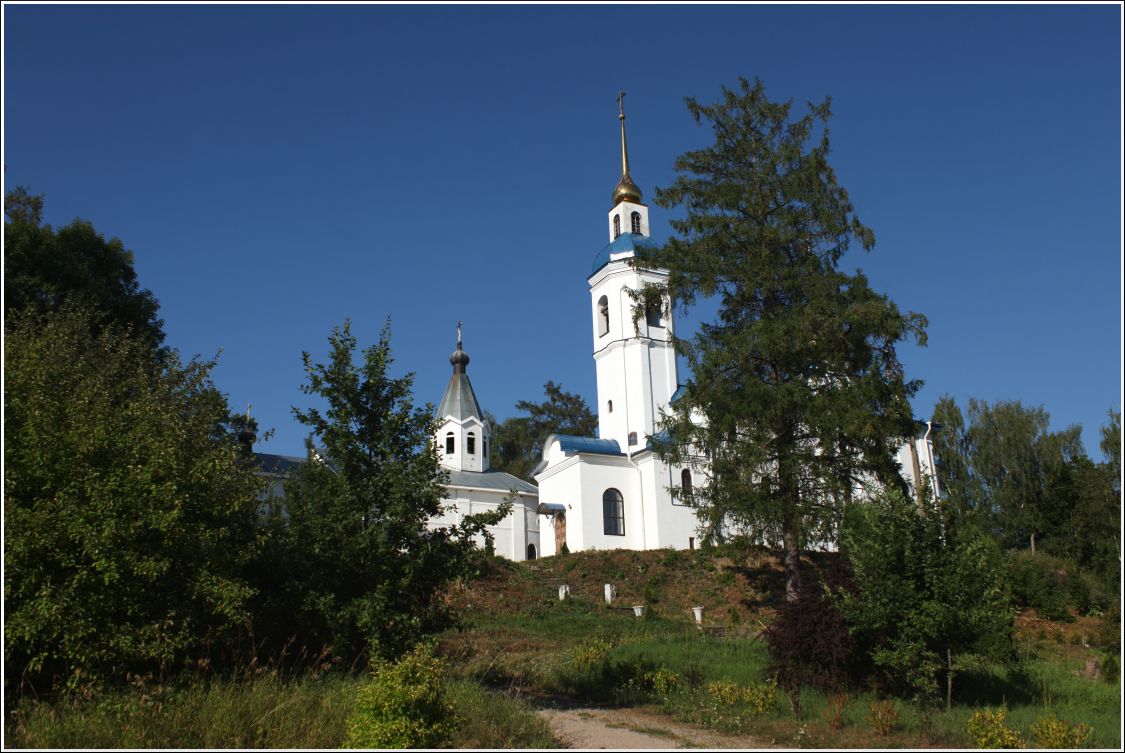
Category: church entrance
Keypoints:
(560, 532)
(531, 551)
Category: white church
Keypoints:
(604, 492)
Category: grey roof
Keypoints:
(460, 401)
(491, 480)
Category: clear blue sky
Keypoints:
(278, 169)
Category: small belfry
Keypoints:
(463, 435)
(629, 215)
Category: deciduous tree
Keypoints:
(128, 521)
(929, 596)
(365, 571)
(46, 268)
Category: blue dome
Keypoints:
(624, 243)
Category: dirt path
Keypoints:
(635, 728)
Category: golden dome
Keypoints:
(626, 190)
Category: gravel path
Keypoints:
(635, 728)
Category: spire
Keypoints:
(459, 400)
(459, 358)
(626, 189)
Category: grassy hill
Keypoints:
(522, 640)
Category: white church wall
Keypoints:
(669, 522)
(511, 535)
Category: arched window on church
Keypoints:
(632, 438)
(652, 316)
(609, 405)
(471, 443)
(616, 226)
(685, 483)
(603, 316)
(449, 443)
(635, 221)
(613, 513)
(531, 551)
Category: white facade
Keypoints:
(462, 439)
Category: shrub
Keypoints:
(987, 730)
(1051, 732)
(403, 705)
(1052, 585)
(809, 642)
(882, 716)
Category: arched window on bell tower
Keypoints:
(635, 221)
(616, 226)
(603, 316)
(471, 444)
(449, 443)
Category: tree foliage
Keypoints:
(517, 443)
(46, 268)
(930, 597)
(1032, 487)
(128, 519)
(797, 380)
(362, 570)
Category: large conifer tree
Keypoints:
(797, 380)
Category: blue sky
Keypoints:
(277, 169)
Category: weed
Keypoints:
(663, 681)
(882, 716)
(834, 712)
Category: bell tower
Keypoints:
(463, 436)
(635, 363)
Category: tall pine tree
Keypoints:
(797, 380)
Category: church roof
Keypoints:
(568, 443)
(623, 244)
(277, 464)
(498, 480)
(459, 400)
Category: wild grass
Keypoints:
(262, 712)
(487, 719)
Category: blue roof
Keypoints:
(586, 444)
(624, 243)
(678, 393)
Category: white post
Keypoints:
(639, 610)
(610, 593)
(563, 591)
(698, 615)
